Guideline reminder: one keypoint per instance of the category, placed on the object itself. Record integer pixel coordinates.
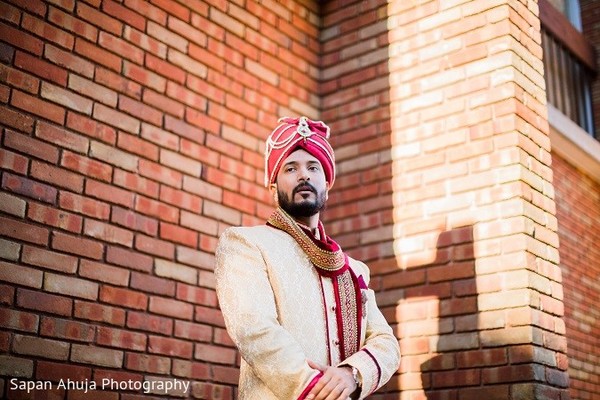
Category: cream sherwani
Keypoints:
(280, 313)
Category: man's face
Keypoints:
(301, 186)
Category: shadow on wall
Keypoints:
(435, 315)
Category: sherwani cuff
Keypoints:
(368, 369)
(310, 385)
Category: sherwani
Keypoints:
(280, 313)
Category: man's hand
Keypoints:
(336, 383)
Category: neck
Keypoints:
(311, 222)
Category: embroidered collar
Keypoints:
(325, 254)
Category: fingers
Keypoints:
(315, 365)
(333, 385)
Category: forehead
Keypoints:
(300, 156)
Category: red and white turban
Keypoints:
(298, 133)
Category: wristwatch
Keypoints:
(356, 393)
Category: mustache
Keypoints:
(304, 186)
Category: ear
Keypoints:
(327, 187)
(273, 190)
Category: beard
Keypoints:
(304, 207)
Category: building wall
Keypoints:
(132, 135)
(578, 212)
(457, 216)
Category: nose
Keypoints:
(303, 175)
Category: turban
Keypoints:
(298, 133)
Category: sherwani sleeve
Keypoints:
(248, 305)
(379, 357)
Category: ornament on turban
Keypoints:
(298, 133)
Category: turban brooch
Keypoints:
(298, 133)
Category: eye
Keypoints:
(290, 169)
(313, 168)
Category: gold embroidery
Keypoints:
(349, 312)
(324, 259)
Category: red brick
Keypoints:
(86, 166)
(140, 110)
(21, 39)
(99, 312)
(14, 162)
(84, 205)
(99, 19)
(97, 54)
(188, 369)
(49, 259)
(7, 295)
(202, 189)
(108, 233)
(41, 301)
(58, 176)
(52, 371)
(67, 329)
(16, 119)
(40, 347)
(123, 297)
(38, 107)
(43, 69)
(121, 338)
(120, 47)
(90, 89)
(137, 146)
(135, 183)
(152, 284)
(128, 258)
(47, 31)
(91, 128)
(160, 173)
(178, 234)
(156, 209)
(214, 354)
(126, 15)
(119, 83)
(72, 24)
(70, 286)
(196, 295)
(23, 231)
(193, 331)
(148, 79)
(54, 217)
(116, 118)
(18, 79)
(169, 346)
(68, 60)
(164, 103)
(143, 41)
(109, 193)
(61, 137)
(104, 273)
(183, 129)
(77, 245)
(171, 308)
(19, 320)
(166, 69)
(211, 316)
(30, 146)
(148, 363)
(229, 375)
(134, 221)
(98, 356)
(200, 153)
(150, 323)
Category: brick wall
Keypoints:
(578, 212)
(131, 136)
(446, 188)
